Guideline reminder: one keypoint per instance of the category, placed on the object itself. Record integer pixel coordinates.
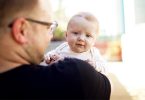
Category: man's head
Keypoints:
(82, 31)
(24, 29)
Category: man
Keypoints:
(26, 29)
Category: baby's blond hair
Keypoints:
(87, 16)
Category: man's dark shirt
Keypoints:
(67, 79)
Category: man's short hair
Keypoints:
(10, 9)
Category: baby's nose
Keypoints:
(82, 37)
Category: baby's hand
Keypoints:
(51, 58)
(91, 62)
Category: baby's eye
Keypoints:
(88, 35)
(75, 33)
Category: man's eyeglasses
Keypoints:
(52, 25)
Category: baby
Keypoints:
(81, 35)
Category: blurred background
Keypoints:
(122, 29)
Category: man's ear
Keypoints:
(18, 31)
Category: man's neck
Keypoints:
(6, 66)
(10, 60)
(11, 54)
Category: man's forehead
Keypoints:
(45, 4)
(46, 7)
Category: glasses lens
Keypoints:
(53, 27)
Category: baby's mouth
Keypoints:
(80, 44)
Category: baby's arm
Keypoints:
(53, 55)
(100, 62)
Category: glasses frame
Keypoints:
(52, 25)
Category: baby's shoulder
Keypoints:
(95, 50)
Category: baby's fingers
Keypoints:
(47, 60)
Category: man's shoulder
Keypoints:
(76, 67)
(67, 66)
(67, 78)
(70, 66)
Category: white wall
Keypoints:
(133, 41)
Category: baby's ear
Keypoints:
(65, 32)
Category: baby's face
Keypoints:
(81, 35)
